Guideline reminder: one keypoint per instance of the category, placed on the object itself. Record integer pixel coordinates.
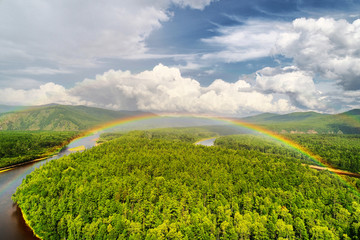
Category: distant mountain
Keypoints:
(291, 117)
(59, 118)
(63, 118)
(6, 108)
(309, 122)
(354, 112)
(261, 117)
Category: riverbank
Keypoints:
(334, 170)
(37, 159)
(12, 223)
(27, 222)
(8, 168)
(53, 151)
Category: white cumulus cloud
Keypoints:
(162, 89)
(44, 94)
(250, 40)
(80, 33)
(196, 4)
(297, 84)
(325, 46)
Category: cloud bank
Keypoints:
(297, 84)
(80, 34)
(319, 55)
(162, 89)
(250, 40)
(325, 47)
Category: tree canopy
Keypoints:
(141, 187)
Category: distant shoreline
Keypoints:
(42, 157)
(4, 169)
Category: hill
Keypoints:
(261, 117)
(59, 118)
(354, 112)
(290, 117)
(309, 122)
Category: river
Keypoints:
(12, 225)
(207, 142)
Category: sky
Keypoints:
(222, 57)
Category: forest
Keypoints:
(339, 150)
(22, 146)
(342, 151)
(141, 185)
(182, 134)
(263, 144)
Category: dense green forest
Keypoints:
(340, 150)
(183, 134)
(142, 187)
(263, 144)
(22, 146)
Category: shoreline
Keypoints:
(8, 168)
(334, 170)
(42, 157)
(27, 222)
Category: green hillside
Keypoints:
(261, 117)
(309, 122)
(59, 118)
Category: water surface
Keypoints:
(12, 225)
(207, 142)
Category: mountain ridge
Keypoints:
(59, 118)
(309, 122)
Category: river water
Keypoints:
(12, 225)
(207, 142)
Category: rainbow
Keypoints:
(231, 121)
(117, 122)
(273, 135)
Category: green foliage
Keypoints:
(262, 144)
(22, 146)
(59, 118)
(340, 150)
(136, 187)
(183, 134)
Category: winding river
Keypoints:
(12, 225)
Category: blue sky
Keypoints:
(223, 57)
